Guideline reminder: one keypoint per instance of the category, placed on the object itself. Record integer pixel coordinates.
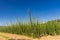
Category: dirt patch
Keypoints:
(14, 36)
(7, 36)
(57, 37)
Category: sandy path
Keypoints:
(6, 36)
(50, 37)
(14, 36)
(1, 38)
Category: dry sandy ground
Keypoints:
(57, 37)
(6, 36)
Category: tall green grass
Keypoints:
(36, 30)
(33, 29)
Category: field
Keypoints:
(35, 30)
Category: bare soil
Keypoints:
(7, 36)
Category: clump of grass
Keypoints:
(36, 30)
(33, 29)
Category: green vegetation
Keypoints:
(36, 30)
(33, 29)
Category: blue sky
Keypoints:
(43, 10)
